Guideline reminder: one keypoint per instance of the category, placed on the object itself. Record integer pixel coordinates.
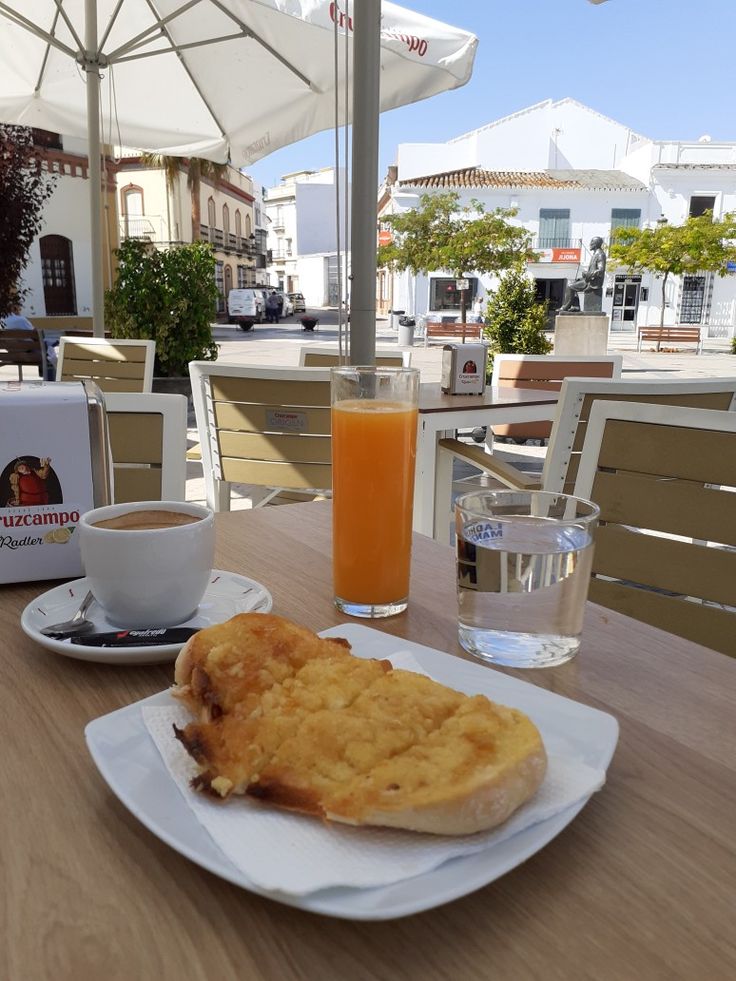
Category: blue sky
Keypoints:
(667, 68)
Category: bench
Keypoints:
(679, 334)
(472, 332)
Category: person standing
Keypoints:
(478, 309)
(272, 308)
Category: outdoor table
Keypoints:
(441, 414)
(640, 885)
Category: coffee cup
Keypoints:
(148, 563)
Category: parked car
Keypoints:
(287, 307)
(245, 307)
(297, 300)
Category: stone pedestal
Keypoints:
(581, 333)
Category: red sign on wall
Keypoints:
(558, 255)
(566, 255)
(384, 238)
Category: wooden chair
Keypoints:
(577, 397)
(115, 365)
(148, 439)
(265, 426)
(22, 349)
(327, 356)
(546, 372)
(665, 550)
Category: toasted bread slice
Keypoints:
(296, 720)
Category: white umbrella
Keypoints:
(217, 78)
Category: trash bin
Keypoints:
(406, 331)
(394, 318)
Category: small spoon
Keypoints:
(78, 624)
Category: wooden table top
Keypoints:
(432, 399)
(641, 885)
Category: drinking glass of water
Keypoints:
(523, 568)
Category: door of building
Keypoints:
(333, 291)
(228, 281)
(626, 294)
(57, 269)
(552, 292)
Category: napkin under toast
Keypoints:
(298, 721)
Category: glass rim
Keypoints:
(594, 509)
(389, 369)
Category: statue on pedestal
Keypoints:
(589, 285)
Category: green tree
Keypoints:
(166, 295)
(443, 234)
(515, 318)
(25, 186)
(698, 245)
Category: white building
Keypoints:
(171, 212)
(572, 174)
(302, 234)
(58, 274)
(137, 202)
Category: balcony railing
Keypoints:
(280, 255)
(556, 242)
(233, 244)
(149, 227)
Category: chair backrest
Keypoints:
(148, 440)
(22, 348)
(265, 426)
(578, 395)
(115, 365)
(664, 478)
(546, 372)
(323, 356)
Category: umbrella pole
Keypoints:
(92, 69)
(366, 108)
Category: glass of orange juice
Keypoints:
(374, 438)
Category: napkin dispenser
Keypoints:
(464, 369)
(54, 465)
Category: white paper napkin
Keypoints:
(297, 854)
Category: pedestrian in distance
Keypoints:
(272, 308)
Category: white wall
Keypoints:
(315, 217)
(420, 159)
(65, 213)
(312, 272)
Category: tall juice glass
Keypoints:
(374, 435)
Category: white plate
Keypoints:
(130, 763)
(227, 594)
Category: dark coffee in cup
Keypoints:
(144, 520)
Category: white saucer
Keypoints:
(227, 594)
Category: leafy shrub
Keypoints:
(515, 319)
(167, 296)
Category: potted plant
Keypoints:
(308, 322)
(166, 295)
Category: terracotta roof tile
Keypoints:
(472, 177)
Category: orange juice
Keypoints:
(373, 459)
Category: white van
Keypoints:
(245, 308)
